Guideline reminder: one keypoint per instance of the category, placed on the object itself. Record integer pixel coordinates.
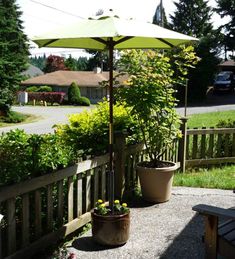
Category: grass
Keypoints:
(17, 118)
(218, 178)
(209, 119)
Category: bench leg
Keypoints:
(211, 231)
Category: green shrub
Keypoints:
(45, 88)
(32, 89)
(13, 117)
(23, 156)
(74, 94)
(84, 101)
(87, 132)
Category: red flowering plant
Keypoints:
(103, 209)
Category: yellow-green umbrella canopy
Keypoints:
(111, 32)
(126, 34)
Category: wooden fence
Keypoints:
(43, 210)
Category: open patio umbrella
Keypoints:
(109, 33)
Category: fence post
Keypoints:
(1, 216)
(120, 142)
(182, 144)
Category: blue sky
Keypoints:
(40, 16)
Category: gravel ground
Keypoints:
(167, 230)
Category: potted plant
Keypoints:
(108, 228)
(149, 93)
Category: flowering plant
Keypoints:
(102, 209)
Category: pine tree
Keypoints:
(71, 63)
(226, 8)
(13, 53)
(193, 18)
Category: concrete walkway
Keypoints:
(167, 230)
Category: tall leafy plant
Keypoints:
(149, 94)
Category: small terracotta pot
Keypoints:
(111, 230)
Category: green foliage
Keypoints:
(226, 8)
(193, 18)
(39, 61)
(32, 89)
(13, 117)
(87, 132)
(24, 156)
(84, 101)
(13, 53)
(149, 95)
(74, 93)
(102, 209)
(74, 96)
(45, 88)
(71, 63)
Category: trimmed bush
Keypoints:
(87, 132)
(31, 89)
(74, 94)
(84, 101)
(49, 97)
(45, 88)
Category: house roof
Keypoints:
(32, 71)
(65, 78)
(228, 63)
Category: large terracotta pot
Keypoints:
(111, 230)
(156, 183)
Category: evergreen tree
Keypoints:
(39, 62)
(13, 53)
(71, 63)
(193, 18)
(226, 8)
(158, 20)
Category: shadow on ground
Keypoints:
(188, 244)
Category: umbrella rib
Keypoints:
(123, 39)
(166, 42)
(100, 40)
(49, 42)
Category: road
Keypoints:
(50, 116)
(56, 115)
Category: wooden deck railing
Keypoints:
(43, 210)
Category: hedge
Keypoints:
(49, 97)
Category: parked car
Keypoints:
(224, 81)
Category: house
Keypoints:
(88, 82)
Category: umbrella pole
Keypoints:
(111, 154)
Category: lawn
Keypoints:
(209, 119)
(218, 178)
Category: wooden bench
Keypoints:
(219, 238)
